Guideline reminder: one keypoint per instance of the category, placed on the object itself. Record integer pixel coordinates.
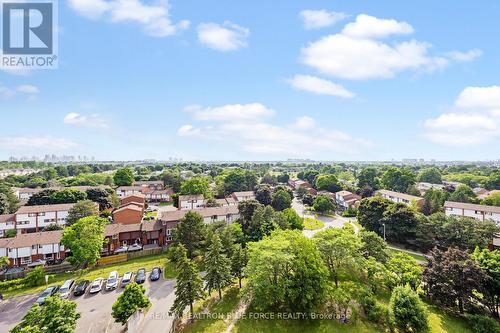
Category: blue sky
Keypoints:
(263, 80)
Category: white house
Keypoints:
(228, 214)
(187, 202)
(35, 218)
(26, 248)
(398, 197)
(7, 222)
(346, 199)
(152, 195)
(125, 191)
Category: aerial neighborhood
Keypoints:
(124, 213)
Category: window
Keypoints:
(41, 214)
(169, 232)
(25, 260)
(33, 247)
(31, 214)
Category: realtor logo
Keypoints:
(29, 38)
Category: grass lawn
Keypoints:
(168, 203)
(151, 214)
(229, 302)
(417, 257)
(147, 262)
(313, 224)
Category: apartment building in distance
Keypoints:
(479, 212)
(188, 202)
(243, 196)
(398, 197)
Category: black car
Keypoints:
(81, 287)
(140, 276)
(155, 274)
(50, 291)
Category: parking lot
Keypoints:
(95, 309)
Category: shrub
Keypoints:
(375, 311)
(35, 277)
(407, 310)
(483, 324)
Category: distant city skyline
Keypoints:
(262, 81)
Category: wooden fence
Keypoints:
(112, 259)
(143, 253)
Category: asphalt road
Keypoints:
(96, 309)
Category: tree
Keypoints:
(85, 238)
(239, 261)
(246, 209)
(132, 299)
(489, 261)
(492, 199)
(218, 267)
(80, 210)
(397, 179)
(263, 194)
(68, 195)
(11, 204)
(285, 271)
(453, 278)
(371, 211)
(55, 316)
(463, 193)
(197, 185)
(101, 196)
(328, 182)
(374, 246)
(430, 175)
(323, 203)
(172, 179)
(308, 199)
(189, 287)
(268, 179)
(407, 310)
(400, 223)
(235, 180)
(308, 175)
(4, 204)
(405, 270)
(340, 250)
(493, 181)
(283, 178)
(367, 177)
(262, 223)
(41, 198)
(281, 200)
(433, 201)
(123, 177)
(4, 261)
(190, 233)
(10, 233)
(294, 220)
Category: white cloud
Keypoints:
(93, 120)
(315, 19)
(47, 143)
(154, 18)
(230, 112)
(27, 90)
(357, 53)
(474, 119)
(367, 26)
(257, 134)
(465, 56)
(225, 37)
(319, 86)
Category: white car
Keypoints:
(66, 288)
(112, 281)
(96, 285)
(135, 247)
(127, 277)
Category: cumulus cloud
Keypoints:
(357, 53)
(154, 18)
(47, 143)
(224, 38)
(473, 120)
(94, 120)
(319, 86)
(254, 132)
(315, 19)
(27, 90)
(465, 56)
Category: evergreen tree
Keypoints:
(190, 233)
(218, 267)
(238, 262)
(189, 287)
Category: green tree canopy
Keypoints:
(281, 200)
(407, 310)
(80, 210)
(218, 267)
(132, 299)
(197, 185)
(328, 182)
(123, 177)
(323, 203)
(85, 238)
(397, 179)
(463, 193)
(190, 232)
(430, 175)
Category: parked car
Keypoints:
(112, 281)
(155, 274)
(121, 249)
(96, 285)
(140, 276)
(81, 287)
(126, 279)
(66, 288)
(135, 247)
(50, 291)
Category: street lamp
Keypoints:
(384, 230)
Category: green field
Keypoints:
(313, 224)
(415, 256)
(147, 262)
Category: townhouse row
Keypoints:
(153, 191)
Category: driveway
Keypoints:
(96, 310)
(330, 222)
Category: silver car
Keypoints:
(66, 288)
